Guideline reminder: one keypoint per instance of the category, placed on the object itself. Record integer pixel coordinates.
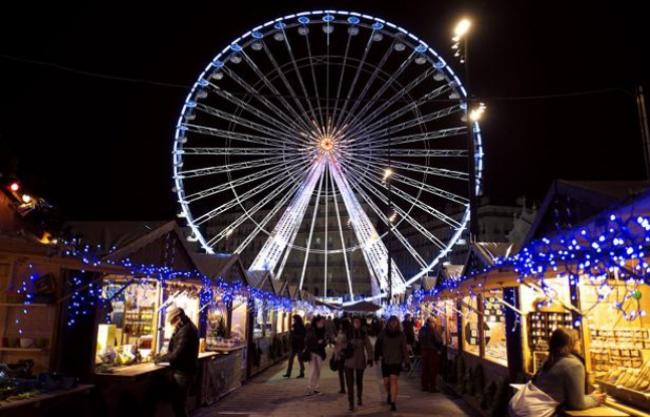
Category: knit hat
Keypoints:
(173, 313)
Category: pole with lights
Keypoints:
(472, 116)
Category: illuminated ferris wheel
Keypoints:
(326, 135)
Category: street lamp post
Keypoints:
(461, 46)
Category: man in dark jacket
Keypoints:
(297, 336)
(182, 356)
(430, 339)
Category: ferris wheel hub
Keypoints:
(327, 143)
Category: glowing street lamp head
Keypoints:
(476, 114)
(14, 187)
(387, 173)
(462, 28)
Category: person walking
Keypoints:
(183, 358)
(315, 344)
(408, 325)
(358, 354)
(391, 348)
(430, 339)
(297, 337)
(339, 346)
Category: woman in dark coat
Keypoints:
(297, 337)
(392, 349)
(356, 351)
(315, 342)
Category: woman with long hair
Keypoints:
(392, 349)
(315, 342)
(297, 337)
(562, 376)
(357, 353)
(340, 341)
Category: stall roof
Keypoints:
(222, 265)
(261, 279)
(142, 241)
(568, 203)
(485, 254)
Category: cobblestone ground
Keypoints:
(269, 394)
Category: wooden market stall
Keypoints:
(267, 346)
(520, 309)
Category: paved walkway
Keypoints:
(271, 395)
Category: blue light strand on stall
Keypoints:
(597, 253)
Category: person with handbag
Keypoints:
(315, 344)
(338, 359)
(297, 337)
(357, 353)
(392, 349)
(559, 384)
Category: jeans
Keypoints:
(350, 376)
(180, 387)
(341, 371)
(293, 354)
(430, 365)
(314, 372)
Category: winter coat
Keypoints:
(430, 338)
(391, 348)
(183, 352)
(361, 348)
(316, 341)
(409, 331)
(298, 335)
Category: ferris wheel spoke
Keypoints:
(243, 121)
(273, 182)
(424, 169)
(311, 233)
(381, 196)
(393, 141)
(313, 79)
(190, 198)
(310, 122)
(331, 118)
(380, 91)
(380, 133)
(220, 169)
(277, 124)
(232, 135)
(326, 220)
(354, 82)
(241, 151)
(417, 203)
(422, 153)
(363, 124)
(283, 233)
(269, 216)
(373, 248)
(248, 215)
(414, 253)
(293, 120)
(300, 79)
(344, 252)
(227, 134)
(342, 126)
(421, 185)
(297, 120)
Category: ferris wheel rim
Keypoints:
(178, 179)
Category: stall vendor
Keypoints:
(182, 356)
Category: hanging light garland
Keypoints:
(86, 293)
(612, 248)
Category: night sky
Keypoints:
(100, 148)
